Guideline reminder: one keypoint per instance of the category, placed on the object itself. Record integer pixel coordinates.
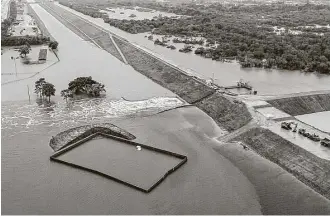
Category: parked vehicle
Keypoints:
(286, 125)
(325, 142)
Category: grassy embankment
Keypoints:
(83, 29)
(303, 104)
(225, 112)
(308, 168)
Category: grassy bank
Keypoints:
(308, 168)
(224, 111)
(303, 104)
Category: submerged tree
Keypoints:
(66, 93)
(48, 90)
(38, 86)
(53, 45)
(86, 85)
(24, 50)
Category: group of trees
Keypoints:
(44, 89)
(79, 86)
(22, 40)
(83, 86)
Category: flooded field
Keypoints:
(139, 13)
(319, 120)
(81, 58)
(266, 82)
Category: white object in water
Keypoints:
(138, 148)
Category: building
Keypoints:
(43, 55)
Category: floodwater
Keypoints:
(123, 161)
(81, 58)
(32, 184)
(125, 13)
(265, 81)
(319, 120)
(207, 184)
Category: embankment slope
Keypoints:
(303, 104)
(307, 167)
(225, 112)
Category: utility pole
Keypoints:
(29, 93)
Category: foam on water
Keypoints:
(62, 114)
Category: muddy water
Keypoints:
(81, 58)
(267, 82)
(32, 184)
(206, 184)
(142, 168)
(319, 120)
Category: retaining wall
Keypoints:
(308, 168)
(303, 104)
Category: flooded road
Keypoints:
(81, 58)
(266, 82)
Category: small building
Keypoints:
(43, 55)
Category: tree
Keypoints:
(66, 93)
(83, 85)
(39, 86)
(48, 90)
(24, 50)
(53, 45)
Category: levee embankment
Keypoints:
(39, 22)
(303, 104)
(225, 112)
(83, 29)
(304, 165)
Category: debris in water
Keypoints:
(138, 148)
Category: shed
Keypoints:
(43, 55)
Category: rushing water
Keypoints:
(265, 81)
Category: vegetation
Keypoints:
(48, 90)
(7, 22)
(244, 32)
(22, 40)
(24, 50)
(53, 45)
(83, 86)
(44, 89)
